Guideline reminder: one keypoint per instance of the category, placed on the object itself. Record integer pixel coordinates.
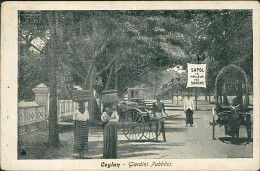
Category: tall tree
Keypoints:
(78, 47)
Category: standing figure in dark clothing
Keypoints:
(81, 128)
(110, 118)
(189, 110)
(158, 109)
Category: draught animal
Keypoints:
(234, 123)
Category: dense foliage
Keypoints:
(129, 45)
(121, 49)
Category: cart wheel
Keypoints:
(150, 130)
(133, 125)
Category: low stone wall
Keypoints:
(31, 118)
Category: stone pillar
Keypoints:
(42, 97)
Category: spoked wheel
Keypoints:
(150, 130)
(133, 125)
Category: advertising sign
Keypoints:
(196, 75)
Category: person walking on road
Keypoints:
(189, 110)
(109, 119)
(81, 128)
(158, 109)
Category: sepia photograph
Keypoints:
(135, 84)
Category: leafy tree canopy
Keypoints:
(133, 42)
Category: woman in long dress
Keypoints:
(81, 128)
(189, 110)
(110, 118)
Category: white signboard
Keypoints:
(196, 75)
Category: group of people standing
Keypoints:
(109, 118)
(81, 129)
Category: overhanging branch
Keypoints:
(102, 47)
(108, 65)
(33, 45)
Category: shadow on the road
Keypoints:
(175, 129)
(128, 155)
(96, 132)
(44, 151)
(150, 142)
(95, 148)
(128, 149)
(180, 119)
(143, 148)
(241, 141)
(174, 119)
(198, 118)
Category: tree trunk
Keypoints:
(225, 100)
(109, 77)
(54, 49)
(116, 80)
(206, 98)
(91, 90)
(220, 99)
(53, 118)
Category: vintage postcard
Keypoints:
(130, 85)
